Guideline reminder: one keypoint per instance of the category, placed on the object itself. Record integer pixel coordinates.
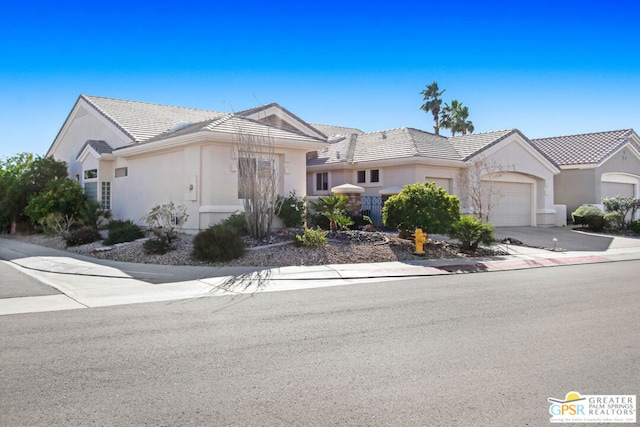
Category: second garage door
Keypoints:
(612, 189)
(513, 203)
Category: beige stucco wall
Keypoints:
(151, 180)
(390, 176)
(420, 173)
(624, 163)
(202, 177)
(576, 187)
(84, 125)
(336, 177)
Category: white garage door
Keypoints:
(512, 203)
(612, 189)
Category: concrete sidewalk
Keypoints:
(88, 282)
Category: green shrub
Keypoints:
(166, 221)
(92, 215)
(23, 177)
(56, 223)
(360, 221)
(471, 232)
(218, 243)
(82, 236)
(156, 246)
(315, 220)
(426, 206)
(123, 231)
(238, 222)
(291, 210)
(62, 196)
(613, 220)
(344, 222)
(589, 216)
(311, 238)
(625, 206)
(634, 226)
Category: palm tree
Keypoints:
(432, 103)
(331, 207)
(455, 117)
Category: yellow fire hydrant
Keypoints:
(421, 239)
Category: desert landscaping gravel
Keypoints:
(343, 248)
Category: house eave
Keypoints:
(88, 150)
(403, 161)
(579, 166)
(207, 136)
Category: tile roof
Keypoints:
(146, 122)
(330, 130)
(142, 120)
(407, 143)
(469, 145)
(266, 107)
(588, 148)
(233, 124)
(101, 147)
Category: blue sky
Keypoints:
(545, 67)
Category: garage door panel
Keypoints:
(612, 189)
(511, 203)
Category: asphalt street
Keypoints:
(476, 349)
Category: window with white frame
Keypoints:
(248, 169)
(105, 200)
(121, 172)
(372, 174)
(91, 191)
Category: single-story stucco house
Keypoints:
(131, 156)
(381, 163)
(594, 166)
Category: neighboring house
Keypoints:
(517, 174)
(594, 166)
(131, 156)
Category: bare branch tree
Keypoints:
(482, 195)
(258, 176)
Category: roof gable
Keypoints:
(470, 145)
(586, 149)
(336, 131)
(279, 117)
(233, 124)
(97, 148)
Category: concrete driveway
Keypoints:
(568, 239)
